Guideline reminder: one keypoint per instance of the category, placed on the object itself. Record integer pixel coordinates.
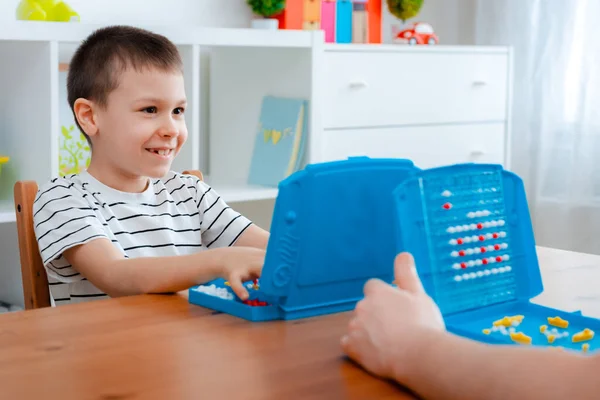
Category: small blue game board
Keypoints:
(332, 230)
(469, 229)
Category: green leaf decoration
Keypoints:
(74, 151)
(65, 132)
(404, 9)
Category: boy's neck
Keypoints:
(117, 179)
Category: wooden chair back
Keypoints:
(35, 281)
(36, 292)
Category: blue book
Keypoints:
(343, 28)
(279, 142)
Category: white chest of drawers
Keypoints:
(434, 105)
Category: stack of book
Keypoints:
(344, 21)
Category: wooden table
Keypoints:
(160, 347)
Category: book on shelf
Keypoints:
(280, 140)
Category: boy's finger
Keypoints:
(238, 287)
(405, 274)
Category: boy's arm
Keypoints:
(253, 236)
(103, 265)
(445, 366)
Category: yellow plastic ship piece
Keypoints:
(508, 321)
(543, 328)
(487, 331)
(520, 337)
(558, 322)
(586, 334)
(502, 322)
(551, 338)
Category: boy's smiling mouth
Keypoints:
(164, 151)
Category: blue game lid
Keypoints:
(469, 230)
(332, 230)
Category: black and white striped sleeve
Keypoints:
(63, 219)
(221, 225)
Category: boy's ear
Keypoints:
(85, 114)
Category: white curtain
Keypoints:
(556, 111)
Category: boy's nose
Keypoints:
(169, 128)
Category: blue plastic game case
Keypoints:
(469, 229)
(332, 230)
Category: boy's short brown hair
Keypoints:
(107, 52)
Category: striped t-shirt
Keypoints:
(175, 215)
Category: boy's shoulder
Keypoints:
(82, 188)
(79, 182)
(57, 187)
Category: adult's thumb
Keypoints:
(405, 273)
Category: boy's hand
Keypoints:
(389, 322)
(239, 265)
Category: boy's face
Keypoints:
(142, 127)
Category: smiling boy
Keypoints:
(128, 224)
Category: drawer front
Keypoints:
(426, 146)
(364, 89)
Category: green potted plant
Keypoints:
(404, 9)
(266, 9)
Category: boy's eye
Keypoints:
(178, 110)
(150, 110)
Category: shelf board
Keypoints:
(233, 193)
(181, 35)
(7, 216)
(7, 212)
(405, 48)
